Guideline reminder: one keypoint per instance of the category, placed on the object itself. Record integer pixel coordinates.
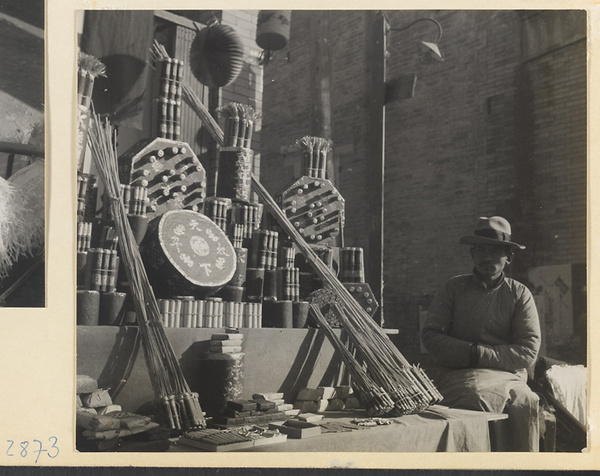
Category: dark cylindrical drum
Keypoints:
(112, 309)
(235, 167)
(300, 314)
(278, 314)
(255, 279)
(88, 308)
(186, 253)
(231, 293)
(270, 286)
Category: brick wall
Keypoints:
(497, 128)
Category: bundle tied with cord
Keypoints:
(175, 405)
(385, 381)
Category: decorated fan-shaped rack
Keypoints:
(170, 170)
(316, 209)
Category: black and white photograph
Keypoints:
(22, 147)
(331, 231)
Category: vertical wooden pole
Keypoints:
(375, 50)
(321, 78)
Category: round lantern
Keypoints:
(273, 29)
(216, 56)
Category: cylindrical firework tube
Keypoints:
(359, 265)
(113, 272)
(178, 320)
(278, 314)
(201, 313)
(231, 293)
(239, 277)
(83, 276)
(255, 278)
(270, 285)
(88, 308)
(97, 255)
(163, 306)
(300, 314)
(209, 313)
(112, 308)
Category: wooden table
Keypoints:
(437, 429)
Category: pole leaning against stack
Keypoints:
(176, 406)
(406, 385)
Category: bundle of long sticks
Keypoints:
(88, 69)
(176, 406)
(406, 385)
(239, 124)
(314, 151)
(373, 397)
(158, 51)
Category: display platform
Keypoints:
(437, 429)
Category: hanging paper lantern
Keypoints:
(216, 56)
(273, 29)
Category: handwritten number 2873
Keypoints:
(52, 451)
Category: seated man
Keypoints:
(484, 329)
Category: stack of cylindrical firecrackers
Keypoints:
(98, 262)
(317, 210)
(167, 101)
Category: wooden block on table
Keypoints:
(99, 398)
(236, 413)
(299, 431)
(242, 405)
(335, 404)
(108, 409)
(268, 396)
(292, 412)
(285, 406)
(310, 417)
(221, 344)
(130, 421)
(225, 350)
(264, 405)
(91, 422)
(322, 405)
(306, 406)
(227, 336)
(310, 394)
(328, 392)
(342, 391)
(351, 403)
(86, 384)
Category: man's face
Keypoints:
(490, 260)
